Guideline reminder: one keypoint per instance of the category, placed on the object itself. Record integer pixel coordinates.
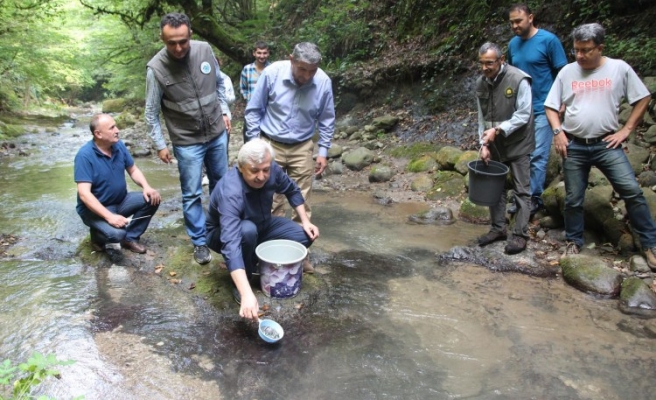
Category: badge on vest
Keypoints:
(205, 68)
(509, 92)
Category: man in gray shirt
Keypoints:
(592, 89)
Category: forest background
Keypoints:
(55, 53)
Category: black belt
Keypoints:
(266, 136)
(587, 141)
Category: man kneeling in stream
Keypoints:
(240, 217)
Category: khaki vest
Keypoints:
(497, 102)
(189, 103)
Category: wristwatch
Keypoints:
(557, 131)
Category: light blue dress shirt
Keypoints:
(289, 113)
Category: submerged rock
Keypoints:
(437, 216)
(492, 258)
(591, 275)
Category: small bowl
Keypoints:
(270, 325)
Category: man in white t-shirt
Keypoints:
(592, 89)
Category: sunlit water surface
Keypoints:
(396, 325)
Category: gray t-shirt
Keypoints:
(592, 98)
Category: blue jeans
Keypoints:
(540, 156)
(133, 204)
(615, 166)
(191, 158)
(252, 236)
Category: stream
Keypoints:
(396, 324)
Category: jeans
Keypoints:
(191, 158)
(134, 204)
(252, 236)
(540, 156)
(615, 166)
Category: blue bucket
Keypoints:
(486, 181)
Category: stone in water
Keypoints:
(270, 332)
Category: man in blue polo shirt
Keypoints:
(103, 201)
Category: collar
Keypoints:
(502, 70)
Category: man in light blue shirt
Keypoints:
(292, 99)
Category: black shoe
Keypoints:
(512, 209)
(115, 256)
(536, 205)
(202, 254)
(236, 296)
(515, 245)
(491, 237)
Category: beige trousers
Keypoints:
(296, 160)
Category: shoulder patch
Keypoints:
(205, 67)
(509, 92)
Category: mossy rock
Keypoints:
(414, 150)
(447, 157)
(422, 164)
(471, 212)
(125, 120)
(421, 183)
(10, 131)
(553, 198)
(590, 275)
(637, 294)
(447, 184)
(114, 105)
(464, 159)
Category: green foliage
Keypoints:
(37, 368)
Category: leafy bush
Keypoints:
(32, 373)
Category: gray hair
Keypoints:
(253, 152)
(490, 46)
(95, 121)
(586, 32)
(307, 52)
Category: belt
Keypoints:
(266, 136)
(587, 141)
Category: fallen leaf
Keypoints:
(192, 285)
(173, 273)
(159, 268)
(265, 307)
(298, 306)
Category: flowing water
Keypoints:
(395, 326)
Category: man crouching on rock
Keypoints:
(505, 125)
(103, 201)
(240, 217)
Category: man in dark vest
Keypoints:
(505, 127)
(183, 80)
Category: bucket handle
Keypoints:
(481, 149)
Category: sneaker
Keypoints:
(650, 256)
(571, 248)
(236, 296)
(202, 254)
(516, 244)
(491, 237)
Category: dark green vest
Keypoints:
(189, 103)
(497, 101)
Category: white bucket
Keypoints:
(281, 267)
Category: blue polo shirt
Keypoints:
(106, 174)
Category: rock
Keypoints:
(141, 152)
(625, 112)
(650, 136)
(636, 294)
(422, 164)
(386, 122)
(463, 161)
(597, 178)
(637, 155)
(553, 198)
(421, 183)
(447, 157)
(471, 212)
(436, 216)
(626, 244)
(597, 208)
(358, 159)
(590, 275)
(493, 258)
(335, 168)
(380, 173)
(647, 178)
(638, 264)
(350, 130)
(612, 230)
(335, 150)
(551, 222)
(447, 184)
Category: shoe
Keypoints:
(491, 237)
(134, 247)
(202, 254)
(516, 244)
(650, 256)
(536, 205)
(512, 209)
(114, 253)
(307, 266)
(571, 248)
(97, 247)
(236, 296)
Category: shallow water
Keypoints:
(396, 325)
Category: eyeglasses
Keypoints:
(487, 63)
(584, 51)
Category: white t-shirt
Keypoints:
(592, 97)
